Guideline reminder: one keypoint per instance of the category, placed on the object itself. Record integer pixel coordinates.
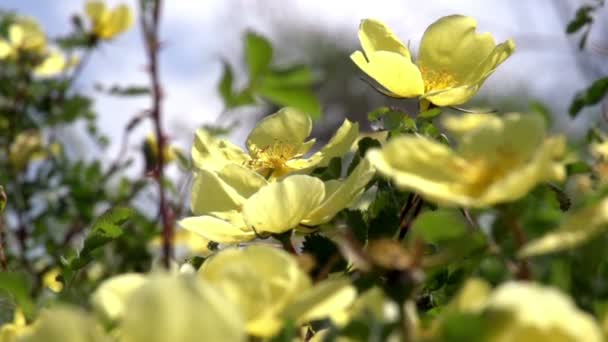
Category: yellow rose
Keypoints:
(498, 159)
(106, 23)
(452, 64)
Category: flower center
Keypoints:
(271, 157)
(436, 79)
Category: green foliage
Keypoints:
(589, 97)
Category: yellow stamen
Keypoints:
(436, 79)
(271, 157)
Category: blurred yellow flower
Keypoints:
(27, 146)
(525, 312)
(49, 279)
(108, 23)
(498, 159)
(269, 288)
(9, 332)
(452, 64)
(26, 36)
(276, 145)
(576, 229)
(64, 324)
(179, 309)
(110, 297)
(234, 208)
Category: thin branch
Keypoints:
(150, 28)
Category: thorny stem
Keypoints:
(150, 29)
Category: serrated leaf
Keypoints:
(258, 54)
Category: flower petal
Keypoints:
(324, 299)
(451, 45)
(245, 181)
(281, 206)
(337, 146)
(111, 296)
(393, 71)
(422, 165)
(119, 21)
(375, 36)
(341, 196)
(288, 126)
(212, 153)
(96, 10)
(217, 229)
(211, 193)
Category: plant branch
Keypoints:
(150, 24)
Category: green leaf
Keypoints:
(258, 54)
(440, 225)
(231, 97)
(377, 113)
(577, 167)
(429, 114)
(541, 109)
(589, 97)
(581, 19)
(562, 198)
(323, 250)
(302, 98)
(296, 76)
(104, 230)
(17, 286)
(331, 171)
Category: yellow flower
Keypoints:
(526, 312)
(185, 244)
(27, 146)
(236, 204)
(276, 145)
(498, 159)
(25, 35)
(180, 309)
(576, 229)
(65, 324)
(9, 332)
(49, 279)
(452, 64)
(106, 23)
(111, 296)
(268, 287)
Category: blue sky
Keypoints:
(198, 34)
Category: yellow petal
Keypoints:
(422, 165)
(119, 20)
(52, 326)
(337, 146)
(261, 280)
(578, 228)
(110, 298)
(539, 313)
(341, 195)
(375, 36)
(211, 193)
(16, 35)
(212, 153)
(5, 49)
(218, 229)
(323, 300)
(49, 279)
(245, 181)
(180, 309)
(281, 206)
(393, 71)
(288, 126)
(96, 10)
(451, 45)
(52, 65)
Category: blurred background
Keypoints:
(547, 66)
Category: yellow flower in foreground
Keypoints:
(106, 23)
(111, 296)
(9, 332)
(452, 64)
(269, 288)
(526, 312)
(276, 145)
(236, 204)
(65, 324)
(578, 228)
(179, 309)
(498, 159)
